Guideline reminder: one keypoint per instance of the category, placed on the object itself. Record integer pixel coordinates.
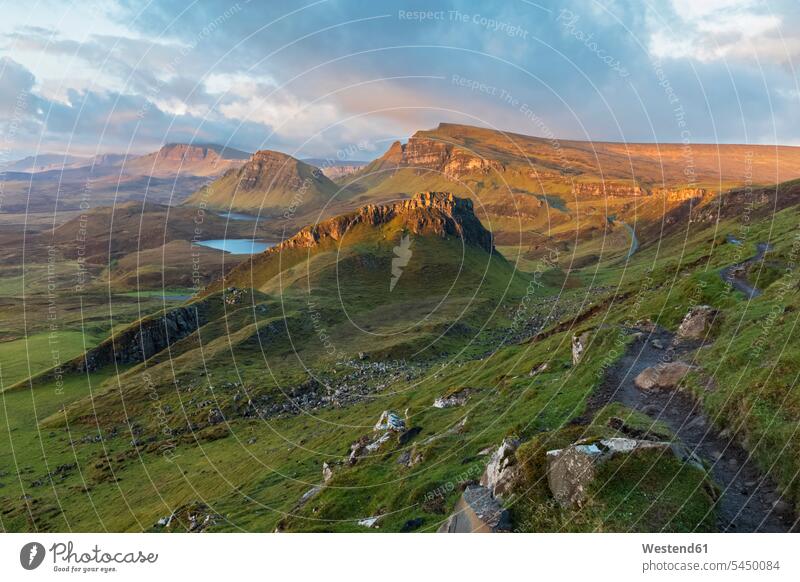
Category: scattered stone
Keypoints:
(657, 344)
(579, 343)
(215, 416)
(378, 443)
(308, 496)
(502, 471)
(477, 511)
(458, 398)
(697, 323)
(663, 376)
(538, 369)
(193, 518)
(369, 521)
(486, 451)
(327, 472)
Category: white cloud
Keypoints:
(711, 30)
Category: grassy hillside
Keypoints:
(236, 419)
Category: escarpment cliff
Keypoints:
(439, 156)
(144, 339)
(426, 213)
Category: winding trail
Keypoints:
(749, 501)
(634, 240)
(734, 274)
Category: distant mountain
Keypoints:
(187, 159)
(44, 162)
(165, 176)
(334, 169)
(269, 182)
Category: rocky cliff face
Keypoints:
(187, 153)
(607, 189)
(680, 194)
(432, 213)
(141, 341)
(439, 156)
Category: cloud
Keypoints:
(727, 30)
(315, 78)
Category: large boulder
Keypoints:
(697, 322)
(390, 421)
(477, 511)
(571, 470)
(664, 376)
(502, 472)
(579, 344)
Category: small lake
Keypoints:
(237, 246)
(237, 216)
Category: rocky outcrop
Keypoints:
(503, 470)
(426, 213)
(477, 511)
(680, 194)
(144, 339)
(607, 189)
(663, 376)
(570, 471)
(697, 323)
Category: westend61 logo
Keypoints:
(66, 559)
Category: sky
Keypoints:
(344, 79)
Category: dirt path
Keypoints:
(749, 501)
(634, 240)
(734, 275)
